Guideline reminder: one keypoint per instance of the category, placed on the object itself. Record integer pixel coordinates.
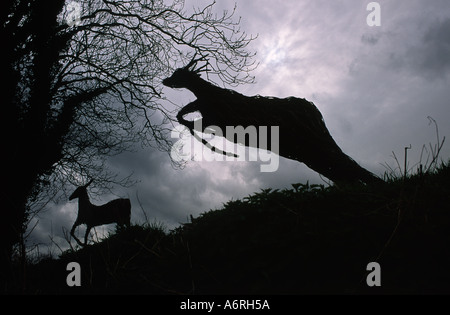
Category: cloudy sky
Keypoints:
(375, 87)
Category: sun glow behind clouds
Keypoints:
(301, 60)
(275, 55)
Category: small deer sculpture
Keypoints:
(116, 211)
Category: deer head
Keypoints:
(182, 76)
(80, 190)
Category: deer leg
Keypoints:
(72, 233)
(88, 229)
(189, 108)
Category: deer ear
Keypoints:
(90, 182)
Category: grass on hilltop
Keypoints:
(307, 239)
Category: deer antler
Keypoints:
(194, 61)
(90, 182)
(202, 68)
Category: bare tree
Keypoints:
(75, 93)
(123, 50)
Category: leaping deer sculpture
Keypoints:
(303, 134)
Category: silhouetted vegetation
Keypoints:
(308, 239)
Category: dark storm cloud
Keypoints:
(166, 193)
(435, 57)
(170, 195)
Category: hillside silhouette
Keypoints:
(308, 239)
